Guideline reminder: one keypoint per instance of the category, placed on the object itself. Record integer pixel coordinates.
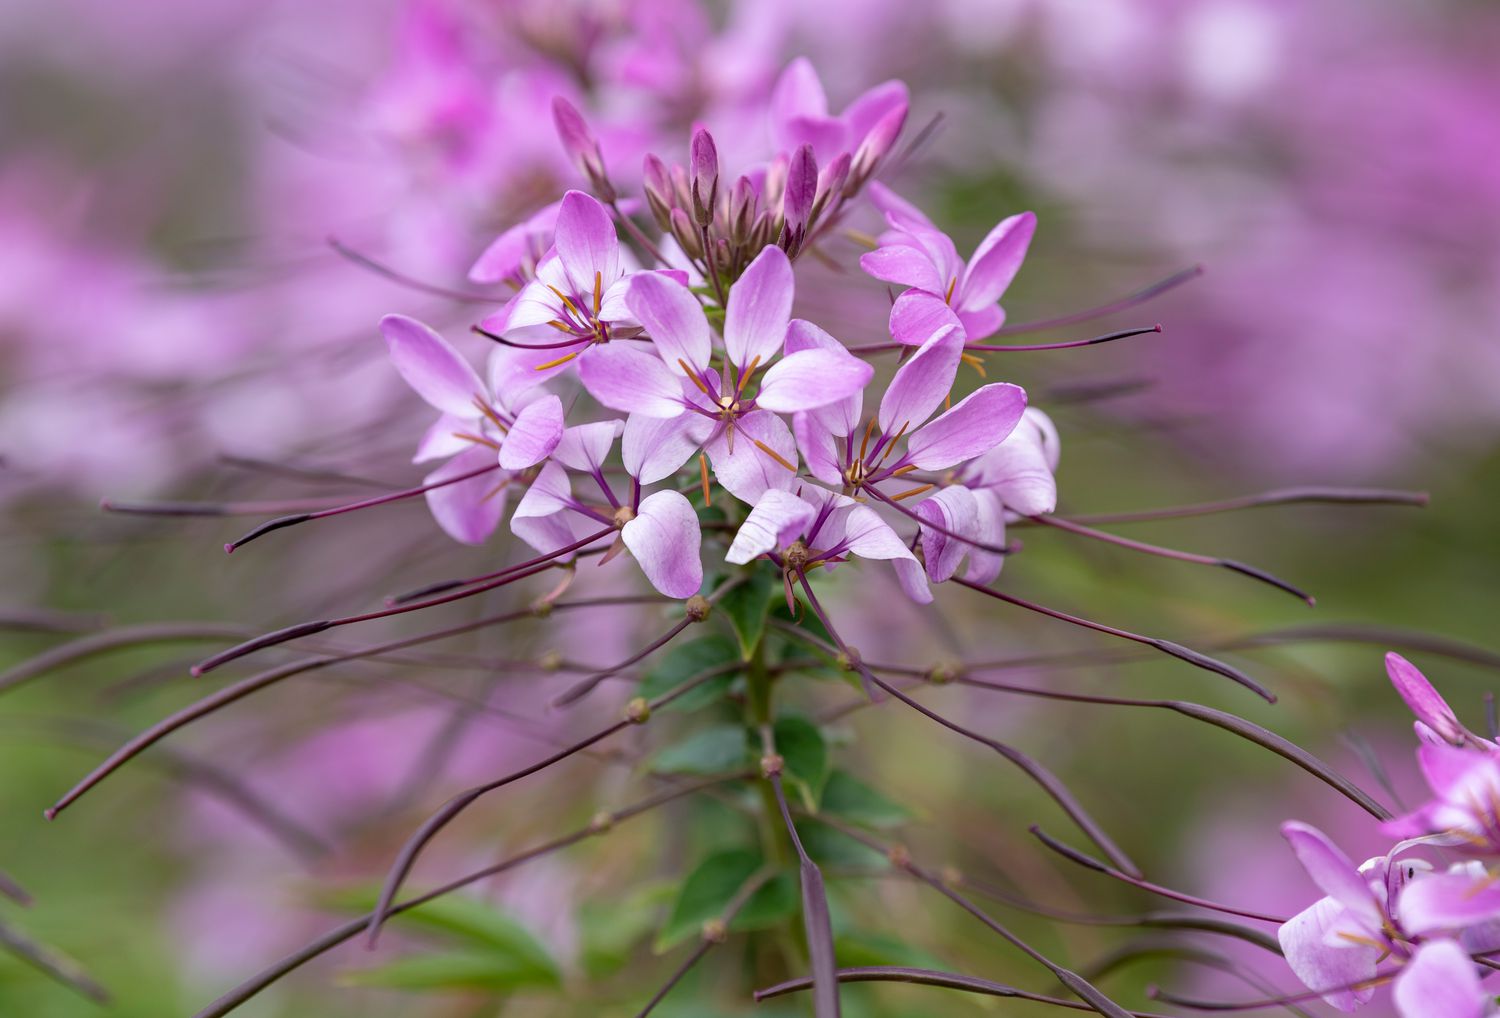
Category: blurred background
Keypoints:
(175, 325)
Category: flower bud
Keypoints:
(582, 147)
(797, 199)
(685, 233)
(705, 178)
(1424, 701)
(831, 184)
(741, 210)
(874, 148)
(657, 183)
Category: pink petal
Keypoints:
(821, 449)
(1019, 469)
(874, 106)
(899, 212)
(759, 309)
(623, 376)
(954, 509)
(542, 517)
(996, 262)
(468, 511)
(777, 520)
(587, 243)
(810, 379)
(982, 324)
(1440, 982)
(1448, 901)
(917, 315)
(749, 472)
(655, 448)
(976, 425)
(904, 264)
(441, 440)
(586, 446)
(839, 418)
(1422, 698)
(533, 436)
(985, 566)
(1332, 871)
(869, 536)
(923, 382)
(664, 538)
(525, 242)
(673, 317)
(430, 366)
(797, 93)
(1305, 940)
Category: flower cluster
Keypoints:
(700, 353)
(1398, 918)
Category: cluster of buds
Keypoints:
(803, 190)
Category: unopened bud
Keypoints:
(582, 147)
(715, 931)
(874, 148)
(899, 856)
(798, 197)
(697, 608)
(659, 192)
(685, 233)
(771, 765)
(741, 210)
(704, 157)
(831, 184)
(638, 711)
(848, 659)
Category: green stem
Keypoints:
(758, 714)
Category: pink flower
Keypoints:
(799, 115)
(488, 429)
(915, 253)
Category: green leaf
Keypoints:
(686, 660)
(801, 745)
(833, 849)
(466, 970)
(608, 930)
(848, 798)
(483, 928)
(716, 749)
(710, 888)
(859, 950)
(748, 605)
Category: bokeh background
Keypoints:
(175, 325)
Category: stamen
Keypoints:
(703, 469)
(477, 439)
(561, 360)
(975, 363)
(693, 377)
(739, 385)
(567, 302)
(490, 413)
(913, 491)
(903, 470)
(598, 292)
(865, 442)
(773, 454)
(952, 285)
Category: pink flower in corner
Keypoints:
(489, 429)
(915, 253)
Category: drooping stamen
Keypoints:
(703, 472)
(930, 977)
(365, 261)
(1254, 572)
(912, 492)
(598, 292)
(693, 377)
(1176, 650)
(1123, 304)
(395, 496)
(489, 443)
